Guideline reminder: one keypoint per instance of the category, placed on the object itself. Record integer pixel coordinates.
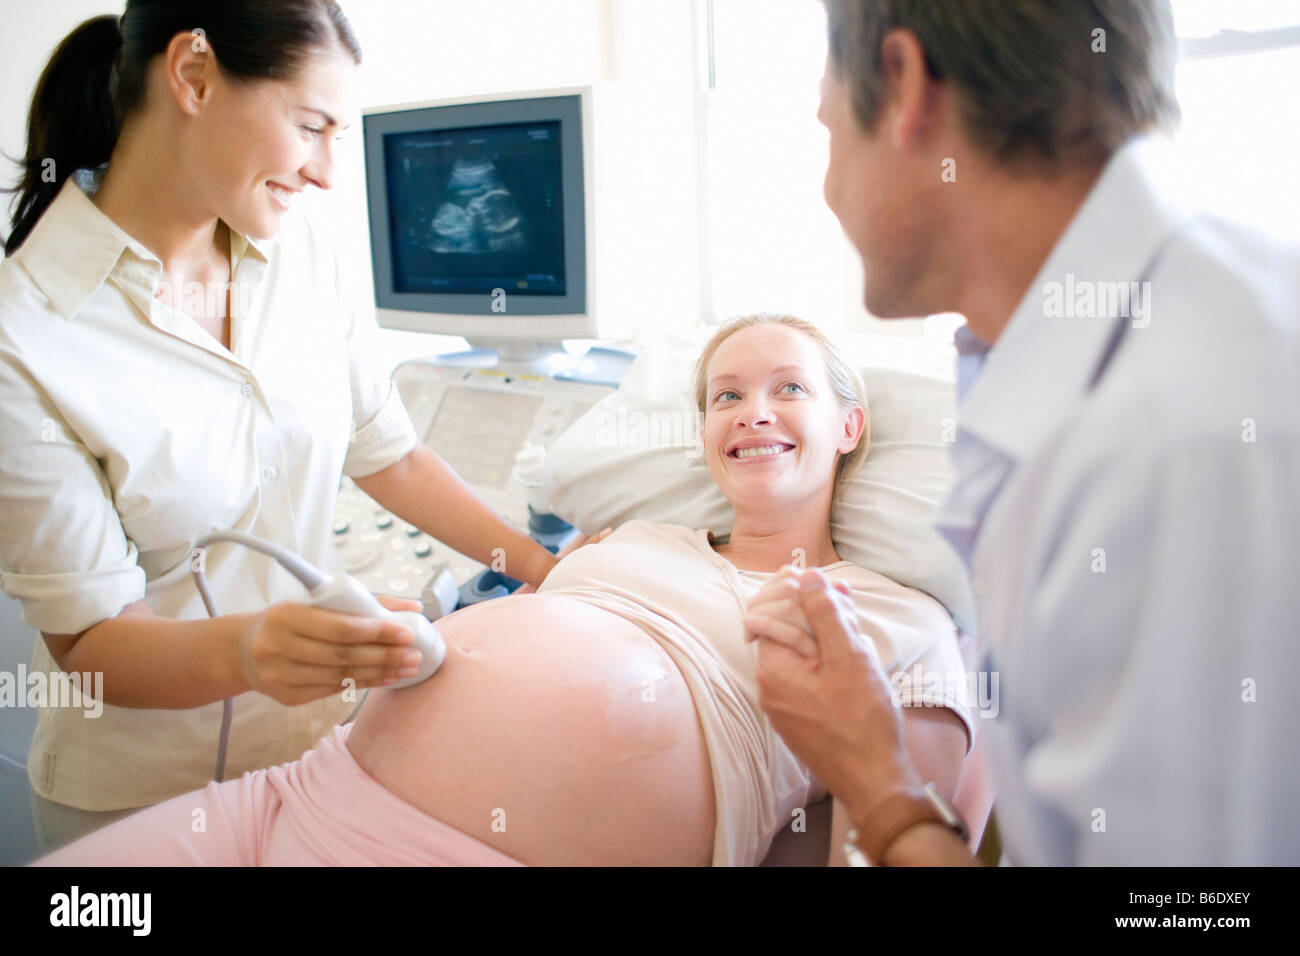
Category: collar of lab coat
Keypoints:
(1041, 366)
(74, 247)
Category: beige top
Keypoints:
(668, 580)
(127, 432)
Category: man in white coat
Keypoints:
(1127, 464)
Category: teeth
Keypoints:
(282, 194)
(760, 450)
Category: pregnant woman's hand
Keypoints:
(577, 542)
(295, 653)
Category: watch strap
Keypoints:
(897, 813)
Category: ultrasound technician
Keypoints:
(165, 151)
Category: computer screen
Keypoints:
(478, 216)
(476, 209)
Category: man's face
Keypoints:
(877, 194)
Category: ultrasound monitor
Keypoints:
(480, 218)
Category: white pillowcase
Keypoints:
(636, 455)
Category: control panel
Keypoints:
(481, 422)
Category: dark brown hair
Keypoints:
(1047, 80)
(96, 77)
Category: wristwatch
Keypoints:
(866, 843)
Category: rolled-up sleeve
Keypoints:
(63, 552)
(938, 678)
(917, 642)
(382, 433)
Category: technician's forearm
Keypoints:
(423, 490)
(151, 661)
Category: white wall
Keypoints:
(31, 31)
(641, 54)
(433, 49)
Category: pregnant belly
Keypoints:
(555, 731)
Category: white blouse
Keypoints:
(127, 431)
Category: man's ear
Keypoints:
(189, 66)
(910, 94)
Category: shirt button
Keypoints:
(246, 390)
(269, 472)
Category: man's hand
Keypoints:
(776, 613)
(833, 707)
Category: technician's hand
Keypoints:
(577, 542)
(835, 708)
(296, 653)
(399, 604)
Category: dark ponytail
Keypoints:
(97, 76)
(72, 121)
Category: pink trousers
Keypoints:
(321, 810)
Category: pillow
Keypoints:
(636, 454)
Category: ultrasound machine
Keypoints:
(482, 225)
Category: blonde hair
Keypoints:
(845, 382)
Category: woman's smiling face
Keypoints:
(261, 143)
(773, 428)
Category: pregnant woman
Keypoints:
(611, 717)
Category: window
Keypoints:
(1237, 80)
(773, 244)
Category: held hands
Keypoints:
(821, 684)
(295, 653)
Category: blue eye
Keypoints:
(796, 385)
(725, 392)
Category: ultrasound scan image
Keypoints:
(482, 215)
(477, 209)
